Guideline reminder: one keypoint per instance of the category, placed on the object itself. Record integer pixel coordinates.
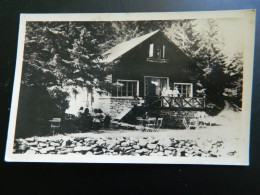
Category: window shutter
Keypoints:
(151, 50)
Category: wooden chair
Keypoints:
(159, 123)
(55, 125)
(151, 123)
(194, 123)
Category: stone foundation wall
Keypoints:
(114, 105)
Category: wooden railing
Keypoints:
(176, 102)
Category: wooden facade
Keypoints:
(153, 65)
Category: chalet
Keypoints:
(145, 67)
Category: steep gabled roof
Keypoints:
(120, 49)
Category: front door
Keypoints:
(153, 86)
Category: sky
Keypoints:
(231, 33)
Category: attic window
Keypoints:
(157, 53)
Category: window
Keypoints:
(157, 51)
(185, 89)
(153, 86)
(128, 88)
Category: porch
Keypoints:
(183, 103)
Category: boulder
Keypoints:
(96, 149)
(79, 144)
(31, 139)
(43, 151)
(30, 152)
(68, 142)
(142, 143)
(81, 149)
(129, 151)
(165, 142)
(151, 146)
(101, 142)
(136, 147)
(142, 151)
(132, 142)
(99, 152)
(167, 152)
(33, 144)
(125, 144)
(78, 139)
(42, 145)
(55, 144)
(153, 141)
(89, 153)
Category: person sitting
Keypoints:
(87, 120)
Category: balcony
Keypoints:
(157, 60)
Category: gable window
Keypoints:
(157, 51)
(128, 88)
(185, 89)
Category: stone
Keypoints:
(101, 142)
(171, 148)
(49, 149)
(159, 154)
(98, 153)
(154, 141)
(61, 152)
(142, 143)
(165, 142)
(129, 151)
(132, 142)
(34, 149)
(125, 144)
(30, 152)
(60, 148)
(174, 152)
(79, 144)
(55, 144)
(136, 147)
(121, 140)
(68, 142)
(142, 151)
(213, 155)
(81, 149)
(68, 150)
(116, 149)
(42, 139)
(89, 153)
(77, 139)
(168, 152)
(33, 144)
(151, 146)
(31, 139)
(97, 149)
(111, 145)
(42, 145)
(182, 153)
(43, 151)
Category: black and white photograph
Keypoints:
(167, 88)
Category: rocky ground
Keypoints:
(229, 139)
(131, 143)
